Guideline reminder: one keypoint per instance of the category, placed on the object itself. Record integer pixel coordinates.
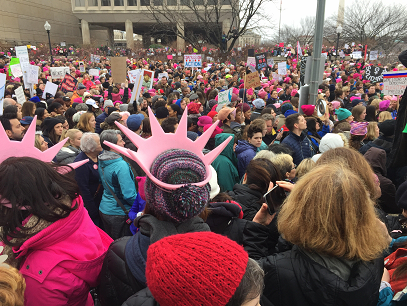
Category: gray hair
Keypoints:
(110, 136)
(88, 142)
(265, 154)
(82, 107)
(267, 117)
(8, 101)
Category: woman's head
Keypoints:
(373, 131)
(255, 135)
(285, 164)
(12, 286)
(28, 109)
(41, 191)
(74, 136)
(174, 110)
(87, 122)
(305, 166)
(359, 113)
(90, 143)
(383, 116)
(52, 127)
(330, 212)
(40, 143)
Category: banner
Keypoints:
(68, 83)
(192, 60)
(261, 61)
(282, 68)
(252, 80)
(59, 72)
(394, 82)
(224, 97)
(374, 74)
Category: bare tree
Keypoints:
(304, 33)
(202, 22)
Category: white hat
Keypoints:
(91, 102)
(87, 94)
(213, 182)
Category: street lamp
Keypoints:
(338, 31)
(47, 28)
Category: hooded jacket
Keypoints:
(245, 153)
(67, 155)
(300, 145)
(248, 200)
(57, 269)
(377, 159)
(226, 164)
(113, 170)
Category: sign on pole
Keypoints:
(192, 60)
(224, 97)
(394, 82)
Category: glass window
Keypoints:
(172, 2)
(79, 2)
(184, 2)
(119, 2)
(226, 2)
(106, 3)
(158, 2)
(198, 2)
(93, 3)
(132, 2)
(212, 2)
(145, 2)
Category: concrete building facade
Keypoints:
(250, 38)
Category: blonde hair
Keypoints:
(330, 212)
(83, 123)
(37, 142)
(376, 103)
(344, 139)
(284, 164)
(12, 286)
(383, 116)
(371, 130)
(71, 133)
(304, 167)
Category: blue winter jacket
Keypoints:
(245, 153)
(301, 146)
(100, 119)
(118, 175)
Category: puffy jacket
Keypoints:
(300, 145)
(67, 155)
(59, 270)
(377, 159)
(113, 170)
(248, 200)
(141, 298)
(245, 153)
(226, 164)
(296, 277)
(100, 119)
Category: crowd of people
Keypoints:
(175, 199)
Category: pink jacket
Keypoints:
(63, 261)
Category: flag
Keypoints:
(299, 51)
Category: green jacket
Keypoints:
(226, 164)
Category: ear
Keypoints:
(245, 178)
(9, 133)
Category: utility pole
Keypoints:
(316, 54)
(279, 22)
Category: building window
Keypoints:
(79, 2)
(106, 3)
(132, 2)
(119, 2)
(158, 2)
(145, 2)
(93, 3)
(198, 2)
(172, 2)
(185, 2)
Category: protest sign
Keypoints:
(50, 88)
(281, 45)
(169, 57)
(32, 74)
(148, 78)
(16, 70)
(63, 44)
(133, 75)
(22, 55)
(356, 54)
(252, 68)
(270, 62)
(164, 74)
(324, 55)
(3, 77)
(119, 69)
(138, 82)
(276, 76)
(224, 97)
(261, 61)
(192, 60)
(59, 72)
(346, 46)
(251, 61)
(20, 96)
(282, 68)
(94, 72)
(374, 74)
(394, 82)
(341, 54)
(68, 83)
(252, 80)
(250, 52)
(373, 55)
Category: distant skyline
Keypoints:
(294, 10)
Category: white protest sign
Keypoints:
(22, 54)
(324, 55)
(94, 72)
(137, 88)
(192, 60)
(276, 76)
(356, 54)
(346, 46)
(353, 44)
(2, 89)
(282, 68)
(50, 88)
(16, 70)
(394, 82)
(270, 62)
(373, 55)
(133, 74)
(251, 61)
(34, 48)
(32, 74)
(20, 96)
(59, 72)
(82, 67)
(164, 74)
(224, 97)
(341, 54)
(63, 44)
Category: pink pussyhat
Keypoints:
(149, 149)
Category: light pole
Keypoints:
(338, 31)
(47, 28)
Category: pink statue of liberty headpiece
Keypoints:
(26, 148)
(159, 142)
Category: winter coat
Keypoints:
(248, 199)
(141, 298)
(67, 155)
(301, 146)
(137, 171)
(377, 159)
(113, 170)
(296, 277)
(100, 119)
(123, 271)
(245, 153)
(226, 164)
(63, 261)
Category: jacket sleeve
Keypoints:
(82, 178)
(325, 130)
(126, 182)
(125, 95)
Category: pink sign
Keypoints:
(169, 57)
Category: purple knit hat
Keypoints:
(358, 128)
(177, 167)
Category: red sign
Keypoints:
(68, 83)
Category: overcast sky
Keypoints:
(294, 10)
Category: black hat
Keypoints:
(49, 123)
(147, 95)
(387, 127)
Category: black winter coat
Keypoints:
(141, 298)
(301, 146)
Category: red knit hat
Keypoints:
(308, 109)
(201, 268)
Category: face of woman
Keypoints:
(60, 110)
(376, 132)
(19, 112)
(248, 114)
(171, 112)
(183, 105)
(363, 115)
(92, 122)
(76, 141)
(58, 129)
(46, 114)
(215, 118)
(256, 140)
(291, 174)
(117, 105)
(44, 144)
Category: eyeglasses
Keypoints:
(295, 166)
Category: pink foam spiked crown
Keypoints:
(159, 142)
(26, 148)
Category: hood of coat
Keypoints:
(108, 158)
(228, 150)
(226, 209)
(377, 159)
(243, 145)
(66, 152)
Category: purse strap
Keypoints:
(113, 194)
